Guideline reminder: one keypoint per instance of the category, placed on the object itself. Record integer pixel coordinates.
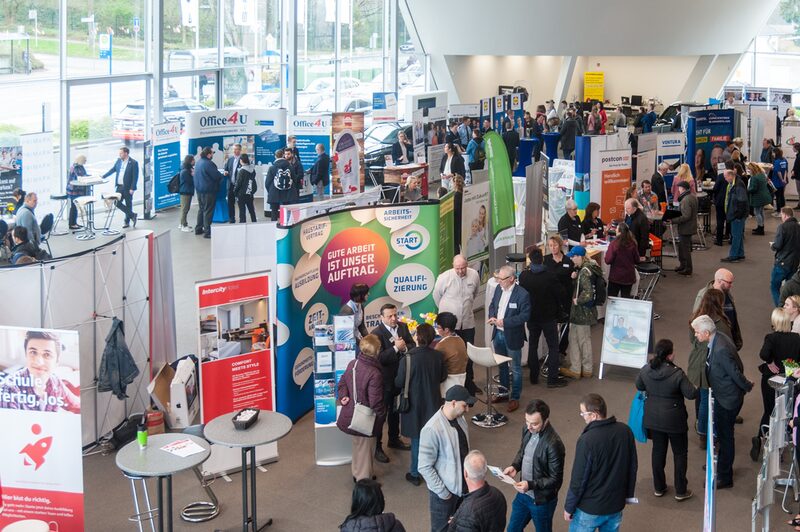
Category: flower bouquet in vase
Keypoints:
(789, 366)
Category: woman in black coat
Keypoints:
(666, 385)
(427, 371)
(778, 346)
(452, 162)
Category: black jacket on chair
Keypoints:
(548, 464)
(389, 357)
(666, 386)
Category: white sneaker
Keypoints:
(180, 227)
(186, 229)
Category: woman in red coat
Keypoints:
(623, 256)
(368, 391)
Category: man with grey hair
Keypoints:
(638, 224)
(569, 226)
(508, 312)
(455, 291)
(484, 507)
(728, 384)
(736, 210)
(657, 180)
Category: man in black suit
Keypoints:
(658, 183)
(395, 340)
(126, 175)
(321, 171)
(230, 170)
(728, 383)
(511, 140)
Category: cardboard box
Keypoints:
(174, 392)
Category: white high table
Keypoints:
(268, 428)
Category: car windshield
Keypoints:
(385, 133)
(133, 110)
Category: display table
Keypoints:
(90, 181)
(153, 461)
(270, 427)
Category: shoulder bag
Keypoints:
(636, 417)
(363, 420)
(401, 404)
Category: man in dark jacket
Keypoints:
(282, 184)
(787, 252)
(402, 150)
(657, 181)
(726, 379)
(544, 288)
(511, 140)
(231, 171)
(126, 175)
(718, 195)
(604, 471)
(509, 310)
(790, 288)
(569, 130)
(484, 507)
(321, 171)
(540, 461)
(736, 210)
(207, 179)
(687, 227)
(395, 342)
(638, 224)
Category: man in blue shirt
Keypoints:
(649, 120)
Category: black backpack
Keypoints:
(600, 290)
(174, 185)
(283, 179)
(480, 153)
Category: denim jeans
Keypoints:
(414, 457)
(499, 344)
(523, 510)
(737, 239)
(441, 510)
(759, 212)
(779, 275)
(583, 522)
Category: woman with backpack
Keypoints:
(245, 188)
(186, 190)
(623, 256)
(475, 153)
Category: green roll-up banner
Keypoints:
(502, 191)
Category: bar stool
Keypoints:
(85, 206)
(517, 260)
(149, 513)
(200, 511)
(483, 356)
(110, 199)
(64, 199)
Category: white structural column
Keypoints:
(701, 69)
(564, 77)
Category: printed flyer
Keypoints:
(234, 345)
(41, 473)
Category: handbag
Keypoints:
(636, 417)
(401, 404)
(363, 420)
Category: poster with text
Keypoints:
(10, 172)
(347, 157)
(670, 149)
(234, 345)
(39, 167)
(393, 249)
(626, 332)
(485, 112)
(593, 86)
(475, 232)
(41, 473)
(310, 131)
(790, 135)
(435, 120)
(615, 180)
(166, 162)
(713, 128)
(384, 106)
(499, 104)
(260, 132)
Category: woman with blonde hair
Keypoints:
(362, 383)
(792, 308)
(76, 171)
(684, 174)
(778, 345)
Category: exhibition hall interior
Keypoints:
(399, 265)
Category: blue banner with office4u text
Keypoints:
(713, 128)
(166, 163)
(309, 131)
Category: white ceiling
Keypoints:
(582, 27)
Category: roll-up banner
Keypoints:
(503, 222)
(38, 168)
(393, 249)
(347, 156)
(485, 111)
(41, 472)
(418, 135)
(384, 106)
(10, 171)
(763, 125)
(234, 345)
(309, 131)
(790, 135)
(498, 111)
(166, 163)
(475, 205)
(260, 132)
(713, 128)
(671, 149)
(615, 180)
(446, 231)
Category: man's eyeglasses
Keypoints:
(504, 278)
(584, 414)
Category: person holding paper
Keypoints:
(603, 477)
(540, 463)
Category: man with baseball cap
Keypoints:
(443, 446)
(582, 315)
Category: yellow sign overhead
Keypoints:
(593, 85)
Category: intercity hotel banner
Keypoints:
(393, 249)
(260, 132)
(234, 345)
(41, 469)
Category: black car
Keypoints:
(378, 141)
